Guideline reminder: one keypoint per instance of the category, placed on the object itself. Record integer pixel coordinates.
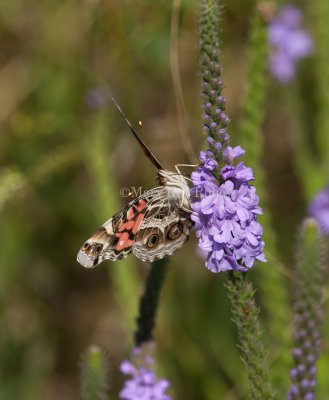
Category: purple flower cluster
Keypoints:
(225, 211)
(143, 384)
(289, 43)
(319, 209)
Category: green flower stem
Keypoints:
(312, 166)
(321, 17)
(305, 162)
(149, 302)
(255, 92)
(94, 375)
(245, 316)
(273, 286)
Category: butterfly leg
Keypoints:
(185, 165)
(189, 211)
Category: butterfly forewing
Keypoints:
(114, 239)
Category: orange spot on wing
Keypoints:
(134, 217)
(122, 227)
(140, 205)
(137, 223)
(129, 225)
(126, 226)
(130, 213)
(124, 241)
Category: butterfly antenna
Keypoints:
(146, 150)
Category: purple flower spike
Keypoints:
(225, 214)
(224, 203)
(143, 384)
(319, 209)
(289, 43)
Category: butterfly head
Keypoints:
(170, 178)
(176, 185)
(90, 253)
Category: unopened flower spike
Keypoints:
(226, 208)
(143, 384)
(289, 42)
(308, 293)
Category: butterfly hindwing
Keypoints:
(156, 242)
(164, 229)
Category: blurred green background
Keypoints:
(63, 160)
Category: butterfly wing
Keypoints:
(115, 238)
(152, 226)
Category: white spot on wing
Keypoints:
(108, 226)
(84, 260)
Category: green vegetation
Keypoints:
(63, 160)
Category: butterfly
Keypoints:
(152, 226)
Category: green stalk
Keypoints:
(273, 286)
(245, 316)
(321, 17)
(94, 375)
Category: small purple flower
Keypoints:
(207, 159)
(232, 153)
(225, 213)
(289, 43)
(96, 98)
(143, 385)
(319, 209)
